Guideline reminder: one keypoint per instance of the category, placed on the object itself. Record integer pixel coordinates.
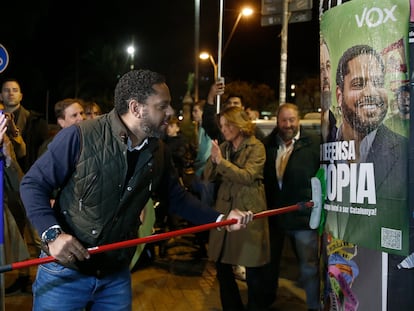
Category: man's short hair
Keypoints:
(235, 95)
(135, 84)
(350, 54)
(286, 106)
(61, 106)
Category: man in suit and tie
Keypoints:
(376, 207)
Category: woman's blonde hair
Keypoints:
(239, 118)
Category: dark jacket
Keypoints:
(89, 163)
(389, 155)
(34, 130)
(302, 166)
(182, 153)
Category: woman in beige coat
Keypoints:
(237, 165)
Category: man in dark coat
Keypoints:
(292, 159)
(31, 124)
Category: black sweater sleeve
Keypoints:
(210, 123)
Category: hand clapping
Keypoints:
(216, 155)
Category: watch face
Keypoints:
(52, 234)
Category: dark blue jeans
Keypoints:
(59, 288)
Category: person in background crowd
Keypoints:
(204, 190)
(204, 141)
(31, 124)
(14, 140)
(183, 156)
(13, 133)
(26, 130)
(68, 111)
(186, 122)
(237, 165)
(106, 170)
(16, 248)
(183, 159)
(92, 110)
(210, 122)
(292, 159)
(253, 114)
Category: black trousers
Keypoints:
(229, 291)
(272, 269)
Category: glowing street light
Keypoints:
(292, 90)
(131, 52)
(244, 12)
(204, 56)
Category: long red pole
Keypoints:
(157, 237)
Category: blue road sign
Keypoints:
(4, 58)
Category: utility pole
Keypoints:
(284, 53)
(274, 13)
(196, 48)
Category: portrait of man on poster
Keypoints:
(381, 154)
(328, 120)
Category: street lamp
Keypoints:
(204, 56)
(131, 51)
(244, 12)
(292, 90)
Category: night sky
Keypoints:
(73, 48)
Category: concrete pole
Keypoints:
(196, 48)
(220, 45)
(284, 53)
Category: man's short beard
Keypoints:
(149, 128)
(359, 125)
(326, 100)
(287, 137)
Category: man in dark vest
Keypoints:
(106, 169)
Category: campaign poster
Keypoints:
(365, 104)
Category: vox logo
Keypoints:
(374, 17)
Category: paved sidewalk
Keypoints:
(180, 281)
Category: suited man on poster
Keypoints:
(363, 102)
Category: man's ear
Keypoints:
(60, 122)
(135, 108)
(339, 97)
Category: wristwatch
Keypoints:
(51, 234)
